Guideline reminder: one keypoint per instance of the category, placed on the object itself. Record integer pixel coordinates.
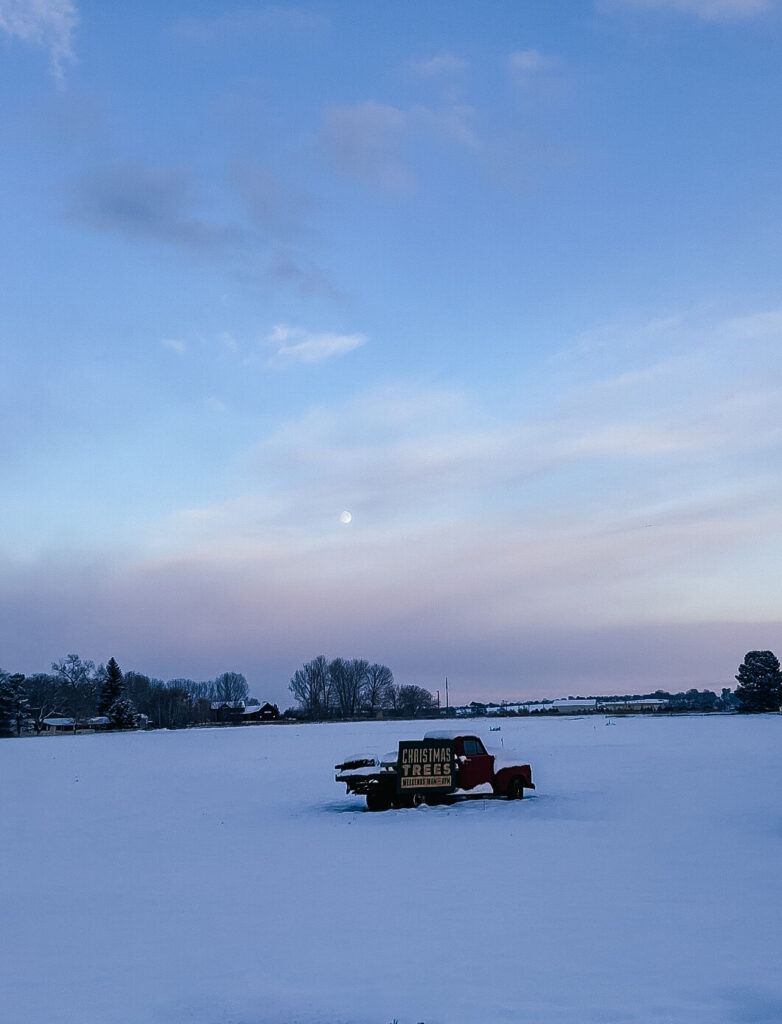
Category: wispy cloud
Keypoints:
(175, 345)
(638, 497)
(439, 64)
(309, 279)
(227, 341)
(707, 10)
(245, 23)
(296, 345)
(366, 142)
(536, 76)
(423, 616)
(624, 443)
(147, 201)
(529, 62)
(275, 207)
(161, 204)
(369, 141)
(50, 24)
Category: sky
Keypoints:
(445, 335)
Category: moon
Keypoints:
(346, 518)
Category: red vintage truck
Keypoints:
(438, 769)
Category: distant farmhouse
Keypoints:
(237, 712)
(261, 713)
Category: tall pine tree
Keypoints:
(113, 687)
(760, 682)
(14, 705)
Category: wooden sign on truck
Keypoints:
(427, 765)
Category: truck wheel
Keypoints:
(416, 799)
(515, 788)
(377, 800)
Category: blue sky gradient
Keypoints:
(501, 280)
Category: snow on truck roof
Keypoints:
(449, 734)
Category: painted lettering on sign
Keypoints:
(426, 764)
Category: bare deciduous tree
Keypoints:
(172, 707)
(72, 670)
(347, 688)
(348, 679)
(378, 687)
(414, 700)
(230, 686)
(46, 697)
(78, 684)
(311, 686)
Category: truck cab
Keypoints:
(476, 765)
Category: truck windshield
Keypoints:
(473, 747)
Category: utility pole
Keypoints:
(446, 693)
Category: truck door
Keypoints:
(478, 766)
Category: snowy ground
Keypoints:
(221, 876)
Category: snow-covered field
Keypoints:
(221, 876)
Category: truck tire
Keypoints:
(516, 788)
(378, 799)
(417, 799)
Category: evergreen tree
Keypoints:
(760, 682)
(123, 715)
(14, 705)
(112, 689)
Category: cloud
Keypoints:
(193, 617)
(440, 64)
(46, 23)
(628, 524)
(453, 124)
(369, 142)
(536, 76)
(707, 10)
(274, 206)
(667, 441)
(148, 202)
(160, 204)
(665, 434)
(295, 345)
(174, 345)
(310, 280)
(227, 341)
(245, 24)
(529, 62)
(366, 142)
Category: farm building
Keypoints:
(261, 713)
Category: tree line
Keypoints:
(760, 689)
(76, 689)
(354, 688)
